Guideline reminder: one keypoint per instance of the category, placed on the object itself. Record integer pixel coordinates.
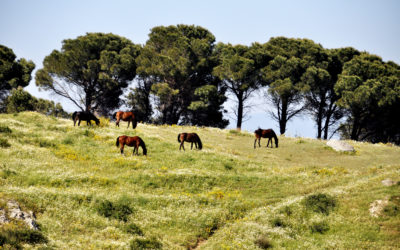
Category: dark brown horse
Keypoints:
(265, 133)
(125, 116)
(85, 116)
(134, 142)
(190, 137)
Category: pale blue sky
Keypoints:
(34, 28)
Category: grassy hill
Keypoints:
(227, 196)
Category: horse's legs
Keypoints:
(255, 142)
(122, 149)
(134, 149)
(259, 145)
(79, 123)
(129, 122)
(74, 122)
(117, 123)
(181, 146)
(269, 140)
(191, 145)
(195, 144)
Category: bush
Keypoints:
(5, 129)
(4, 143)
(320, 203)
(263, 242)
(18, 236)
(132, 228)
(319, 227)
(277, 222)
(119, 210)
(152, 243)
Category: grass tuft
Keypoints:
(263, 242)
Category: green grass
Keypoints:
(227, 196)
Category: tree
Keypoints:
(138, 99)
(20, 100)
(283, 74)
(319, 82)
(13, 73)
(177, 60)
(205, 110)
(91, 71)
(239, 72)
(370, 91)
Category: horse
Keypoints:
(125, 116)
(85, 116)
(134, 142)
(190, 137)
(265, 133)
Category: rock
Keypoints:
(388, 182)
(15, 212)
(376, 207)
(340, 146)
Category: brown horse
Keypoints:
(265, 133)
(85, 116)
(134, 142)
(125, 116)
(190, 137)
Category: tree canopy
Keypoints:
(13, 73)
(178, 60)
(91, 71)
(370, 91)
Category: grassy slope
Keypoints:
(226, 196)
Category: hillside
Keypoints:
(85, 194)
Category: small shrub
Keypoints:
(119, 210)
(134, 229)
(319, 227)
(393, 208)
(228, 166)
(5, 129)
(263, 242)
(17, 236)
(151, 243)
(104, 122)
(67, 141)
(320, 203)
(4, 143)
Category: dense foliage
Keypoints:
(13, 73)
(181, 76)
(91, 71)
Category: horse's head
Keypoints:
(258, 131)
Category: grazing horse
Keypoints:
(125, 116)
(134, 142)
(85, 116)
(265, 133)
(190, 137)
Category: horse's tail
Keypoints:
(143, 147)
(74, 115)
(179, 137)
(134, 122)
(199, 142)
(117, 143)
(276, 138)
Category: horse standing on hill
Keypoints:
(85, 116)
(134, 142)
(265, 133)
(125, 116)
(190, 137)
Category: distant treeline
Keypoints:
(182, 76)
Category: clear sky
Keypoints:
(34, 28)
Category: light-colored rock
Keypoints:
(340, 146)
(15, 212)
(388, 182)
(376, 207)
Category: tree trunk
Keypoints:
(240, 112)
(283, 118)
